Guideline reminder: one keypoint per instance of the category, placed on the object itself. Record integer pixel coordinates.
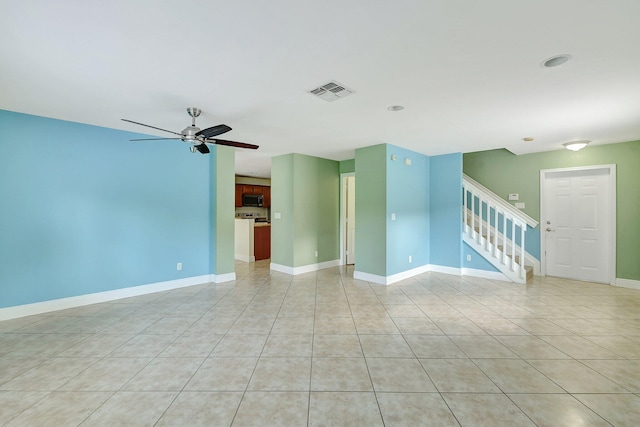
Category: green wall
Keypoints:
(305, 192)
(504, 173)
(348, 166)
(222, 209)
(282, 204)
(371, 209)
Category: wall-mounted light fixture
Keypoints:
(576, 145)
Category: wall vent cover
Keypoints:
(331, 91)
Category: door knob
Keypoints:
(549, 229)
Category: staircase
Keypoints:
(496, 230)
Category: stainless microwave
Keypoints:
(253, 200)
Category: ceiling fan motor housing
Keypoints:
(189, 133)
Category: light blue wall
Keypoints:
(532, 241)
(408, 198)
(446, 210)
(426, 198)
(477, 261)
(84, 210)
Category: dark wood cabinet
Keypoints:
(239, 195)
(262, 242)
(253, 189)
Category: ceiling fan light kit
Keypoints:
(576, 145)
(195, 136)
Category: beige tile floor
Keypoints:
(323, 349)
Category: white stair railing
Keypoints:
(495, 229)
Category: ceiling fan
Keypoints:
(196, 137)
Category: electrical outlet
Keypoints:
(276, 215)
(179, 266)
(468, 257)
(520, 205)
(316, 254)
(393, 217)
(410, 259)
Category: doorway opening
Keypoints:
(578, 223)
(348, 219)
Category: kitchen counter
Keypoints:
(252, 244)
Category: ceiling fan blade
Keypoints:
(152, 127)
(153, 139)
(232, 143)
(213, 131)
(202, 148)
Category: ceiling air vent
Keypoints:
(331, 91)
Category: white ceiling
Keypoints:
(467, 72)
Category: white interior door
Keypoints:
(578, 226)
(350, 220)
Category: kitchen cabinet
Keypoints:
(262, 242)
(239, 188)
(253, 189)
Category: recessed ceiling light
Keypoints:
(576, 145)
(395, 108)
(527, 139)
(556, 60)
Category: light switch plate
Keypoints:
(276, 215)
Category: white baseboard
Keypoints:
(484, 274)
(446, 270)
(222, 278)
(305, 268)
(245, 258)
(628, 283)
(368, 277)
(388, 280)
(98, 297)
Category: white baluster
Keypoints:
(504, 237)
(464, 207)
(495, 227)
(473, 215)
(513, 245)
(480, 221)
(523, 273)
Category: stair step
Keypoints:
(529, 270)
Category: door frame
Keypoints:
(343, 215)
(611, 251)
